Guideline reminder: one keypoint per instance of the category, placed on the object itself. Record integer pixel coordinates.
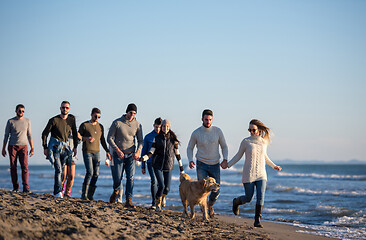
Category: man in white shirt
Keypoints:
(208, 138)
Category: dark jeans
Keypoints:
(164, 179)
(120, 165)
(154, 187)
(205, 170)
(59, 165)
(249, 192)
(92, 163)
(20, 152)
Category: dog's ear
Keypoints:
(206, 183)
(203, 183)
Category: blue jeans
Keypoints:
(92, 163)
(205, 170)
(154, 187)
(249, 192)
(60, 159)
(126, 164)
(164, 179)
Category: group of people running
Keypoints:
(127, 146)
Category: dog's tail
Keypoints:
(183, 177)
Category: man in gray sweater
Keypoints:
(18, 131)
(208, 138)
(121, 137)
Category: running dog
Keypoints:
(194, 193)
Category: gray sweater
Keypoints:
(122, 134)
(19, 131)
(208, 141)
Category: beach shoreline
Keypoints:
(35, 216)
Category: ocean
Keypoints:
(327, 199)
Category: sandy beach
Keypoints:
(34, 216)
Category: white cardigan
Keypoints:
(255, 149)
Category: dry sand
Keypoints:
(33, 216)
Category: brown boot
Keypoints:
(158, 203)
(258, 216)
(236, 203)
(163, 200)
(211, 211)
(129, 203)
(113, 197)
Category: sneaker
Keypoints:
(153, 207)
(15, 190)
(59, 195)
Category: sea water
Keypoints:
(330, 199)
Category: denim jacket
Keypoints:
(60, 145)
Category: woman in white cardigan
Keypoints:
(254, 170)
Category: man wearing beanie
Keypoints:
(121, 137)
(208, 138)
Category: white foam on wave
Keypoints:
(323, 176)
(225, 183)
(344, 233)
(352, 220)
(318, 192)
(337, 211)
(286, 211)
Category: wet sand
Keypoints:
(34, 216)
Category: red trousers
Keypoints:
(20, 152)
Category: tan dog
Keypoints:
(194, 193)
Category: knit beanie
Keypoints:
(166, 122)
(131, 107)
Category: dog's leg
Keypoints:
(192, 210)
(203, 206)
(185, 208)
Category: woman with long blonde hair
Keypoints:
(254, 169)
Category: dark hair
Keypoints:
(207, 112)
(95, 110)
(65, 102)
(19, 106)
(158, 121)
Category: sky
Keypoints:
(298, 66)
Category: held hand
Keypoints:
(136, 155)
(108, 156)
(91, 139)
(224, 164)
(31, 152)
(191, 164)
(278, 168)
(107, 162)
(75, 151)
(143, 170)
(45, 152)
(4, 152)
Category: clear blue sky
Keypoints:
(299, 66)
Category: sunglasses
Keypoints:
(96, 116)
(252, 130)
(21, 111)
(65, 107)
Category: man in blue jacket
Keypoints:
(148, 141)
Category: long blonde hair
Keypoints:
(264, 131)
